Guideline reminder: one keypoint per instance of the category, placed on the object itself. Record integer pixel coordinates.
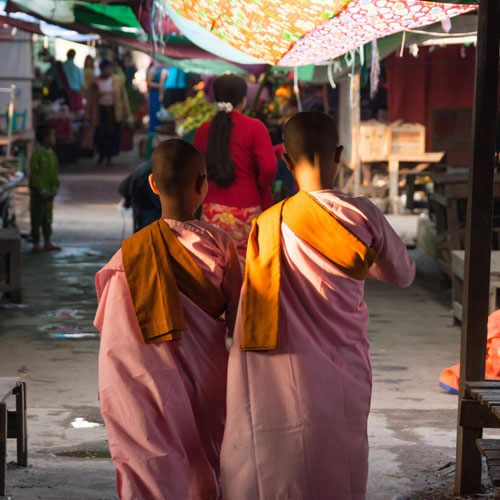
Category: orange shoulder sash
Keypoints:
(315, 224)
(157, 266)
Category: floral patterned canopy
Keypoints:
(298, 32)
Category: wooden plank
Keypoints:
(473, 414)
(7, 384)
(22, 425)
(454, 241)
(440, 198)
(493, 403)
(492, 454)
(494, 472)
(485, 396)
(3, 446)
(492, 392)
(444, 266)
(458, 260)
(478, 236)
(456, 186)
(459, 191)
(457, 263)
(457, 310)
(488, 444)
(484, 384)
(431, 157)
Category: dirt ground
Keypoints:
(49, 341)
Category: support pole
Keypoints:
(478, 238)
(355, 123)
(10, 118)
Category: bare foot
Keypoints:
(37, 248)
(51, 248)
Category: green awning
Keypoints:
(111, 16)
(115, 18)
(203, 66)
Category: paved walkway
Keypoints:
(412, 424)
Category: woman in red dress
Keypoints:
(240, 163)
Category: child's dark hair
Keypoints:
(220, 166)
(105, 63)
(42, 131)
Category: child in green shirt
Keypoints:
(43, 184)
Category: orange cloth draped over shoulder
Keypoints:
(450, 377)
(316, 225)
(157, 266)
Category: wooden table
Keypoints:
(449, 191)
(396, 158)
(457, 280)
(12, 424)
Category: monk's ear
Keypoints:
(199, 184)
(338, 153)
(153, 185)
(289, 162)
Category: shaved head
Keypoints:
(311, 136)
(176, 164)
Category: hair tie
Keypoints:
(227, 107)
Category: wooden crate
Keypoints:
(373, 141)
(406, 137)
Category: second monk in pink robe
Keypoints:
(296, 424)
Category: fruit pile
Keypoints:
(191, 113)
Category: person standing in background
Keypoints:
(241, 165)
(74, 81)
(107, 108)
(74, 74)
(88, 72)
(130, 69)
(43, 184)
(173, 86)
(154, 78)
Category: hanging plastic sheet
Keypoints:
(374, 70)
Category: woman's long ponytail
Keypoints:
(220, 166)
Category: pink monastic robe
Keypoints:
(296, 424)
(164, 404)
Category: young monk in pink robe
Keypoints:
(163, 356)
(299, 377)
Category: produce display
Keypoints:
(191, 113)
(10, 172)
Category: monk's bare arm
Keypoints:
(393, 264)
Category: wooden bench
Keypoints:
(457, 281)
(10, 247)
(490, 449)
(450, 193)
(487, 393)
(12, 424)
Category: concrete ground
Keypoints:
(412, 423)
